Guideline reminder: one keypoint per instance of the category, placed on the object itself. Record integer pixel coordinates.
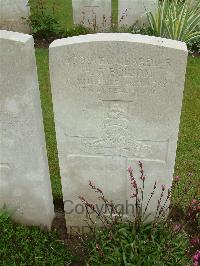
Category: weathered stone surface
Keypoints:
(117, 100)
(134, 11)
(93, 14)
(24, 176)
(11, 13)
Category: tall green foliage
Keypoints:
(178, 20)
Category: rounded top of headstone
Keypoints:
(15, 36)
(120, 37)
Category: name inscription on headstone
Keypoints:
(115, 94)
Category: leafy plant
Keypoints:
(43, 26)
(75, 31)
(42, 20)
(194, 45)
(137, 241)
(121, 247)
(178, 20)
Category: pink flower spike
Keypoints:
(177, 178)
(176, 227)
(195, 241)
(130, 169)
(140, 164)
(196, 257)
(134, 184)
(194, 201)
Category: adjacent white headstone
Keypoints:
(24, 176)
(117, 100)
(134, 11)
(11, 13)
(93, 14)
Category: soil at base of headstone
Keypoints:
(75, 244)
(195, 54)
(44, 43)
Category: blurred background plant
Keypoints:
(75, 31)
(42, 19)
(177, 20)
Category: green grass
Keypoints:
(188, 152)
(20, 245)
(115, 11)
(47, 109)
(63, 12)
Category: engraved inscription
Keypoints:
(115, 87)
(116, 81)
(116, 140)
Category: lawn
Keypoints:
(188, 152)
(20, 245)
(47, 108)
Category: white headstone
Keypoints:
(117, 100)
(11, 13)
(93, 14)
(134, 11)
(24, 175)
